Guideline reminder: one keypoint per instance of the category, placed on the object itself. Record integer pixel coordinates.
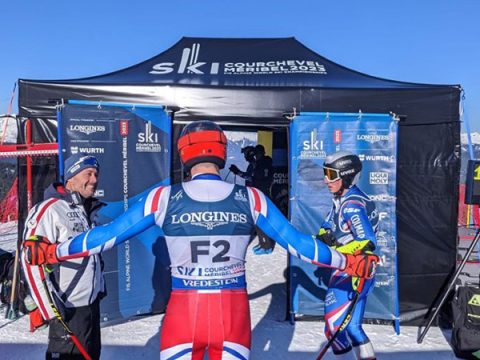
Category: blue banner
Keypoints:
(133, 145)
(373, 137)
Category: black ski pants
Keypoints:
(84, 322)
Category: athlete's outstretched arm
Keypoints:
(101, 238)
(272, 222)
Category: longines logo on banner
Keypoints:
(87, 129)
(190, 64)
(374, 137)
(378, 177)
(386, 158)
(313, 148)
(148, 141)
(86, 150)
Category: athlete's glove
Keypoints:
(36, 320)
(265, 244)
(362, 266)
(39, 251)
(234, 169)
(326, 236)
(356, 247)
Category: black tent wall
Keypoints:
(428, 151)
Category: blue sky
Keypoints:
(426, 41)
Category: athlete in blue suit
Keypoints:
(207, 224)
(350, 226)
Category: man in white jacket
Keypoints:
(73, 287)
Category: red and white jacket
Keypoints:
(75, 282)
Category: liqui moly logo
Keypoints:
(378, 178)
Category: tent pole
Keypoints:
(449, 288)
(29, 165)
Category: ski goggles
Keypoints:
(331, 174)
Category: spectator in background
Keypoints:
(249, 154)
(259, 174)
(263, 170)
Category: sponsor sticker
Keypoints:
(378, 178)
(124, 127)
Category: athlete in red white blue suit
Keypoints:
(207, 224)
(351, 224)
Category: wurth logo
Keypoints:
(188, 64)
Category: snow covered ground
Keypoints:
(273, 338)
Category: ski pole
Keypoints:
(11, 312)
(226, 177)
(421, 336)
(70, 333)
(345, 321)
(11, 321)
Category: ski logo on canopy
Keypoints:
(190, 64)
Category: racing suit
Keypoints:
(353, 216)
(75, 285)
(207, 224)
